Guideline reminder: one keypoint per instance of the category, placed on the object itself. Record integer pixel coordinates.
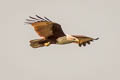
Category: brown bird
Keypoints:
(52, 33)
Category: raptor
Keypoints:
(52, 33)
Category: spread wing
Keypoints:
(83, 40)
(45, 27)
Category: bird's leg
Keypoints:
(47, 44)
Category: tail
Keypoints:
(36, 43)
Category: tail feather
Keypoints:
(36, 43)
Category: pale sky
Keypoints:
(93, 18)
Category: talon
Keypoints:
(47, 44)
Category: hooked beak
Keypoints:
(77, 41)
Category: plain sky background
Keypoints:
(94, 18)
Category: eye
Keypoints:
(74, 39)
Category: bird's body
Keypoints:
(52, 33)
(66, 39)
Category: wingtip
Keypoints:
(87, 42)
(96, 38)
(27, 23)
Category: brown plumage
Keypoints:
(52, 33)
(46, 28)
(83, 40)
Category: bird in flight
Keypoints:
(52, 33)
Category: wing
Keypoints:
(83, 40)
(57, 31)
(45, 27)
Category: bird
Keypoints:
(52, 33)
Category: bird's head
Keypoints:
(72, 39)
